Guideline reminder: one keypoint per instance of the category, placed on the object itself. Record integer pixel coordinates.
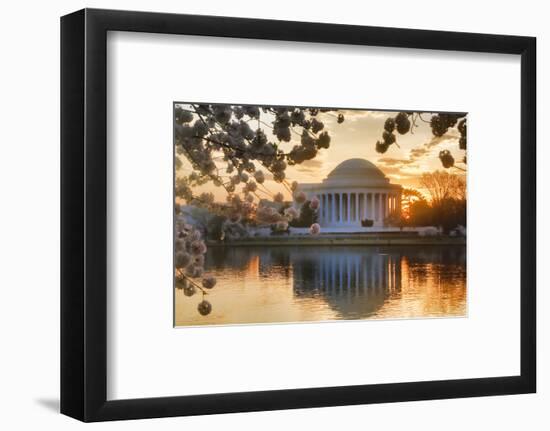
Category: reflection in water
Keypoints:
(302, 283)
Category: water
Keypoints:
(304, 284)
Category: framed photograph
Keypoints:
(262, 215)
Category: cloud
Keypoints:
(389, 170)
(451, 136)
(409, 172)
(418, 152)
(313, 165)
(390, 161)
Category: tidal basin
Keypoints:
(285, 283)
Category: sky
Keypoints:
(404, 163)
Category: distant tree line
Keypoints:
(445, 209)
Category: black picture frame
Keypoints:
(84, 214)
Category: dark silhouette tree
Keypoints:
(421, 214)
(307, 216)
(408, 197)
(442, 185)
(448, 199)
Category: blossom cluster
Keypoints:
(190, 250)
(229, 146)
(279, 217)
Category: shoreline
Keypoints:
(335, 240)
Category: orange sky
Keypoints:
(356, 137)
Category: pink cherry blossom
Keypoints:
(315, 229)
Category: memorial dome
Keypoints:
(357, 170)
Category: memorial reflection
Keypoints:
(305, 283)
(358, 282)
(355, 282)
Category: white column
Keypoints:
(334, 196)
(332, 214)
(348, 203)
(334, 208)
(329, 209)
(371, 209)
(340, 205)
(368, 205)
(357, 208)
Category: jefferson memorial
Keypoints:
(355, 190)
